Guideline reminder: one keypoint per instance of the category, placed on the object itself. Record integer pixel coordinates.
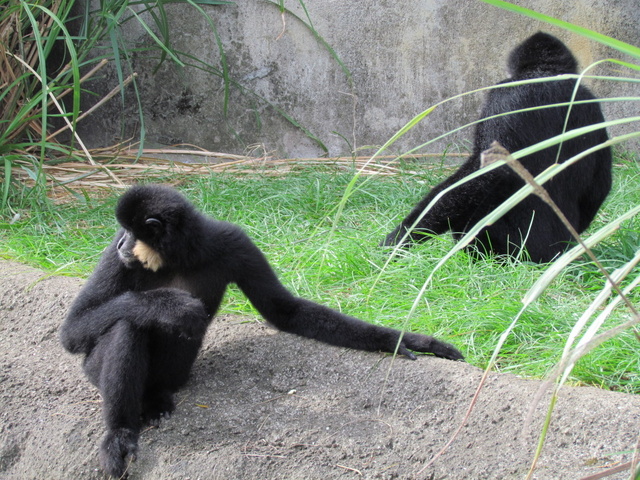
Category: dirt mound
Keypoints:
(267, 405)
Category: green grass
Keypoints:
(292, 219)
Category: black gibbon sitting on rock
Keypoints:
(578, 191)
(141, 317)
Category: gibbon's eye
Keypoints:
(153, 223)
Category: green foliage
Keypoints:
(32, 34)
(33, 37)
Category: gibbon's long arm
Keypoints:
(278, 306)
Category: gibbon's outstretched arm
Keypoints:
(278, 306)
(141, 317)
(453, 211)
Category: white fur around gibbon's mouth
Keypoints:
(147, 256)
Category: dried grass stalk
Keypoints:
(79, 175)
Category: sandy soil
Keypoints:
(267, 405)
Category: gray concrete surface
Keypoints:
(404, 56)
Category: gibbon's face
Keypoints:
(132, 250)
(157, 222)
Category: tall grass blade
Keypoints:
(223, 56)
(585, 32)
(155, 38)
(317, 36)
(559, 265)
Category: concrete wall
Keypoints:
(404, 56)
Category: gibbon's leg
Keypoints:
(171, 357)
(120, 365)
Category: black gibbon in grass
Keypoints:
(579, 190)
(141, 317)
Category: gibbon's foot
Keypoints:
(118, 450)
(157, 407)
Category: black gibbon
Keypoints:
(579, 190)
(141, 317)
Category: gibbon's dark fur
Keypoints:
(579, 190)
(141, 317)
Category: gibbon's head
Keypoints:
(541, 55)
(157, 222)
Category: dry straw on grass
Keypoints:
(128, 168)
